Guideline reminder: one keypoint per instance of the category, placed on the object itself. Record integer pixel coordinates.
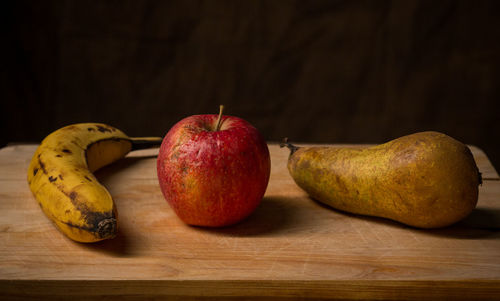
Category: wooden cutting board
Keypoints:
(291, 247)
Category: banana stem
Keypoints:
(290, 146)
(145, 142)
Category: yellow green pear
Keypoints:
(425, 180)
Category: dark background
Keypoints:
(315, 71)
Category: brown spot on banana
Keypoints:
(72, 195)
(42, 165)
(103, 129)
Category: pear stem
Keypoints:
(290, 146)
(219, 119)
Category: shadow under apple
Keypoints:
(275, 215)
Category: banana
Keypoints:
(61, 178)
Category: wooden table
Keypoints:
(291, 247)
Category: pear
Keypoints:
(424, 180)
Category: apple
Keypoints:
(213, 170)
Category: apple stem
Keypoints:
(219, 120)
(290, 146)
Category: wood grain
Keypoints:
(291, 247)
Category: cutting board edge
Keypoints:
(339, 289)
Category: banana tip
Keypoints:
(107, 228)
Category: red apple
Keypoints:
(213, 170)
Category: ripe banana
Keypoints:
(61, 178)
